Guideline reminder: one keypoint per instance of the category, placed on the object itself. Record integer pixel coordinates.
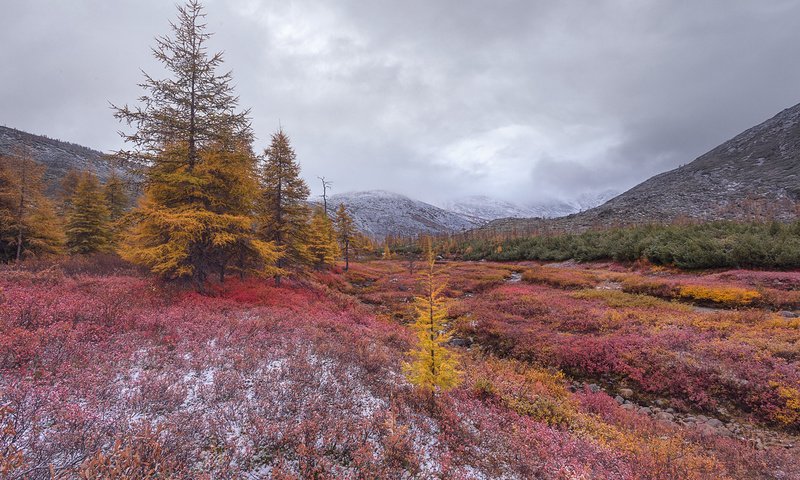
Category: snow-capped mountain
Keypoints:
(379, 213)
(481, 209)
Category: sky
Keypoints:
(523, 100)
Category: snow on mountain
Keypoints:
(379, 213)
(481, 209)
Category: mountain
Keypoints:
(754, 176)
(481, 208)
(59, 157)
(380, 213)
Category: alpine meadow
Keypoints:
(418, 240)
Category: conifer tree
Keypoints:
(284, 212)
(88, 228)
(67, 187)
(28, 225)
(345, 233)
(116, 197)
(322, 243)
(433, 366)
(194, 149)
(196, 106)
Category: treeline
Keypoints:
(708, 245)
(209, 204)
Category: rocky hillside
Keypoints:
(755, 175)
(379, 214)
(58, 156)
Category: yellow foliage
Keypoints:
(721, 295)
(791, 396)
(433, 366)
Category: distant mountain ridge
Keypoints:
(379, 214)
(753, 176)
(481, 208)
(59, 157)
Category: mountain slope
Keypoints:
(755, 175)
(379, 214)
(59, 157)
(481, 208)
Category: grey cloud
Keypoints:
(517, 99)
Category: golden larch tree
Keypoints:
(345, 233)
(28, 224)
(433, 367)
(88, 228)
(283, 211)
(321, 240)
(194, 151)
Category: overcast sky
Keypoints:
(521, 100)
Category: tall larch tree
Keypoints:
(28, 225)
(66, 190)
(433, 367)
(188, 138)
(284, 211)
(322, 242)
(345, 233)
(116, 196)
(88, 228)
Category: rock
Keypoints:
(619, 400)
(594, 388)
(690, 419)
(715, 423)
(460, 342)
(664, 416)
(670, 410)
(724, 432)
(645, 410)
(661, 402)
(787, 314)
(626, 392)
(629, 406)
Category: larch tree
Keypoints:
(284, 213)
(345, 233)
(88, 228)
(433, 367)
(194, 150)
(322, 243)
(28, 225)
(66, 189)
(116, 196)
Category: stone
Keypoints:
(645, 410)
(664, 416)
(715, 423)
(619, 400)
(594, 388)
(787, 314)
(626, 392)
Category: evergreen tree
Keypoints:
(284, 211)
(322, 243)
(28, 225)
(67, 187)
(116, 197)
(345, 232)
(196, 106)
(88, 228)
(196, 216)
(433, 366)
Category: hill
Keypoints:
(379, 213)
(755, 175)
(59, 157)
